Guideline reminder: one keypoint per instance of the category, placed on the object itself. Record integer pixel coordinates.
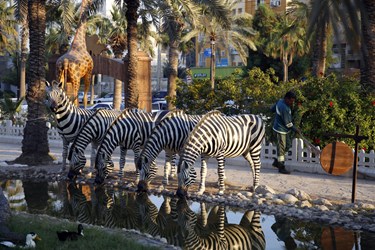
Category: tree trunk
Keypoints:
(212, 65)
(285, 64)
(24, 37)
(35, 149)
(172, 77)
(368, 46)
(320, 51)
(131, 91)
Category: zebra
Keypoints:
(170, 135)
(220, 136)
(93, 132)
(69, 118)
(129, 130)
(218, 234)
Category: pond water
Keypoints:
(181, 222)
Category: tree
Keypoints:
(8, 32)
(35, 149)
(287, 40)
(221, 28)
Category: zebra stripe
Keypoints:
(129, 130)
(170, 135)
(92, 131)
(217, 234)
(69, 118)
(221, 137)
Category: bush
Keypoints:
(329, 105)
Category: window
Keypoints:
(239, 11)
(234, 12)
(275, 3)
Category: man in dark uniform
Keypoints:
(282, 126)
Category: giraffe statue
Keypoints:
(76, 63)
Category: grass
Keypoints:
(95, 237)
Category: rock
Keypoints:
(263, 189)
(288, 198)
(301, 195)
(4, 207)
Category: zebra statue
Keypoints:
(69, 118)
(92, 131)
(220, 136)
(129, 130)
(218, 234)
(170, 135)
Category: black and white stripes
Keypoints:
(220, 137)
(69, 118)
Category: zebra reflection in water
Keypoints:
(218, 234)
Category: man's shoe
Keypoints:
(282, 170)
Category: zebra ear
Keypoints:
(47, 83)
(185, 165)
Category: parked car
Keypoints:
(159, 105)
(104, 105)
(80, 96)
(107, 98)
(159, 96)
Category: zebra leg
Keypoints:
(254, 162)
(64, 154)
(122, 161)
(93, 155)
(173, 167)
(202, 185)
(221, 173)
(137, 152)
(167, 168)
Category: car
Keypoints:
(103, 105)
(107, 98)
(80, 96)
(159, 96)
(159, 105)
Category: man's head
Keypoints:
(290, 98)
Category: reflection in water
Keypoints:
(217, 234)
(181, 222)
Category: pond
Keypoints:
(181, 222)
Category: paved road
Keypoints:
(317, 185)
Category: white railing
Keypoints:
(300, 158)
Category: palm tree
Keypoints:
(8, 32)
(131, 87)
(287, 40)
(367, 10)
(326, 15)
(35, 149)
(221, 28)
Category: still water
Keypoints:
(181, 222)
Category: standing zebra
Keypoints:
(93, 132)
(170, 134)
(129, 130)
(69, 118)
(221, 136)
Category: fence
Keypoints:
(299, 158)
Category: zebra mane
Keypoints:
(126, 112)
(204, 118)
(174, 113)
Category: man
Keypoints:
(282, 126)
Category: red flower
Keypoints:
(317, 140)
(364, 149)
(373, 103)
(299, 104)
(331, 103)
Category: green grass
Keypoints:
(95, 237)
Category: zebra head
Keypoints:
(186, 176)
(147, 170)
(55, 95)
(77, 162)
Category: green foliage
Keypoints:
(329, 105)
(9, 109)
